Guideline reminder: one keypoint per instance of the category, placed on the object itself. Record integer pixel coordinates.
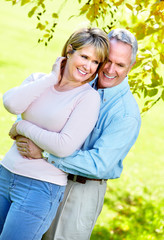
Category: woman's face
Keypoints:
(81, 65)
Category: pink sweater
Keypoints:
(58, 122)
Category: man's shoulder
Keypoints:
(129, 105)
(123, 104)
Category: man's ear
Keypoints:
(131, 66)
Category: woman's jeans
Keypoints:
(27, 206)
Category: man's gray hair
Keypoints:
(125, 36)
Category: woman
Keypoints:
(59, 110)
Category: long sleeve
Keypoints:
(115, 132)
(104, 160)
(73, 134)
(18, 99)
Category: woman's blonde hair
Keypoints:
(89, 36)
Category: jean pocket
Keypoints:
(57, 192)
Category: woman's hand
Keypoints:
(58, 67)
(13, 132)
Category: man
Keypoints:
(102, 154)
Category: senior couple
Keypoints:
(95, 132)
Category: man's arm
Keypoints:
(104, 160)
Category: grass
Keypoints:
(134, 204)
(133, 208)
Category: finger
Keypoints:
(21, 149)
(22, 153)
(21, 145)
(20, 138)
(11, 136)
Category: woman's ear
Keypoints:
(69, 50)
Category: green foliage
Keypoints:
(145, 19)
(135, 215)
(133, 208)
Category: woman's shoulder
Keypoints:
(91, 91)
(37, 75)
(90, 94)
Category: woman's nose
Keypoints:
(87, 65)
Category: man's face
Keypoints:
(118, 66)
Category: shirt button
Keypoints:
(104, 100)
(52, 162)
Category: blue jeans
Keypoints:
(27, 206)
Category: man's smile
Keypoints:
(109, 77)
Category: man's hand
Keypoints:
(27, 148)
(13, 132)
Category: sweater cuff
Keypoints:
(20, 126)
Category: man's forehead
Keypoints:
(119, 51)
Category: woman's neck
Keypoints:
(66, 84)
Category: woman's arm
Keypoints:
(17, 99)
(73, 134)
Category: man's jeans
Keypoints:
(27, 206)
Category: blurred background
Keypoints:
(133, 208)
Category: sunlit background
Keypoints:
(134, 203)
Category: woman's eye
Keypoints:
(83, 56)
(96, 62)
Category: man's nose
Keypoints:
(111, 67)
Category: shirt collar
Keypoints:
(109, 93)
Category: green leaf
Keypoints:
(162, 95)
(152, 92)
(46, 35)
(40, 26)
(55, 15)
(31, 13)
(23, 2)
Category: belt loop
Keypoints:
(102, 181)
(74, 178)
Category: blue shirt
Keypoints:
(116, 131)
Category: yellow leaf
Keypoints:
(129, 6)
(118, 3)
(162, 58)
(161, 6)
(155, 64)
